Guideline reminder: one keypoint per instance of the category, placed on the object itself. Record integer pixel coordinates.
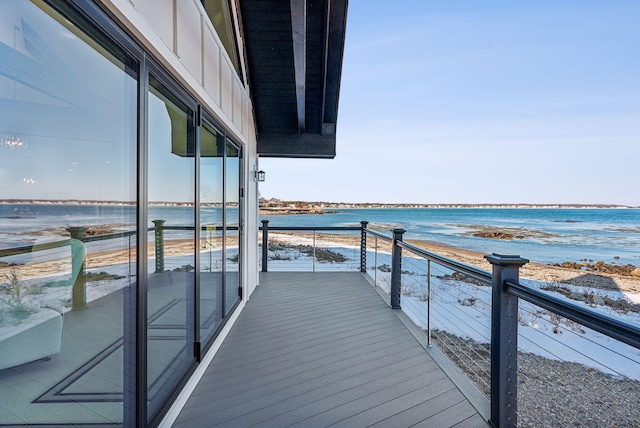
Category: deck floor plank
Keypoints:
(321, 349)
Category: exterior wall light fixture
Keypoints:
(260, 176)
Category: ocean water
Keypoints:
(550, 235)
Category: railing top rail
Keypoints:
(311, 229)
(105, 236)
(26, 249)
(32, 248)
(617, 329)
(468, 270)
(203, 227)
(379, 235)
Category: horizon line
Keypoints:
(369, 204)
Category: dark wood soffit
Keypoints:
(297, 146)
(269, 40)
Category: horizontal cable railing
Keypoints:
(322, 248)
(541, 360)
(25, 249)
(6, 252)
(378, 259)
(454, 310)
(614, 328)
(379, 235)
(66, 273)
(454, 265)
(85, 261)
(571, 375)
(473, 317)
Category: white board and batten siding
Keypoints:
(180, 36)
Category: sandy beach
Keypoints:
(536, 271)
(541, 272)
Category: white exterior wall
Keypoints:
(252, 227)
(180, 36)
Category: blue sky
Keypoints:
(481, 101)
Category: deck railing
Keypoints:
(311, 248)
(481, 333)
(75, 249)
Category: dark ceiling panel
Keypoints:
(268, 36)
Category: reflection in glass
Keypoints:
(220, 15)
(67, 240)
(232, 223)
(170, 297)
(211, 158)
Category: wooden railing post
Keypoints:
(78, 256)
(159, 243)
(396, 268)
(504, 341)
(265, 245)
(363, 246)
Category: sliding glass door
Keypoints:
(211, 231)
(68, 139)
(120, 222)
(232, 225)
(171, 258)
(220, 208)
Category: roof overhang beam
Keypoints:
(299, 35)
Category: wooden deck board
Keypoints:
(321, 349)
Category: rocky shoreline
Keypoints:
(569, 274)
(270, 211)
(275, 202)
(507, 233)
(602, 267)
(548, 394)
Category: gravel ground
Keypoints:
(552, 393)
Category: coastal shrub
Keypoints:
(281, 251)
(384, 268)
(184, 268)
(101, 276)
(280, 256)
(557, 321)
(325, 255)
(593, 299)
(278, 246)
(459, 276)
(12, 293)
(528, 318)
(469, 301)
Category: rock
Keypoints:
(603, 267)
(493, 235)
(577, 296)
(597, 300)
(384, 268)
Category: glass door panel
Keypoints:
(171, 259)
(232, 226)
(211, 230)
(68, 126)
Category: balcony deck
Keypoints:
(321, 349)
